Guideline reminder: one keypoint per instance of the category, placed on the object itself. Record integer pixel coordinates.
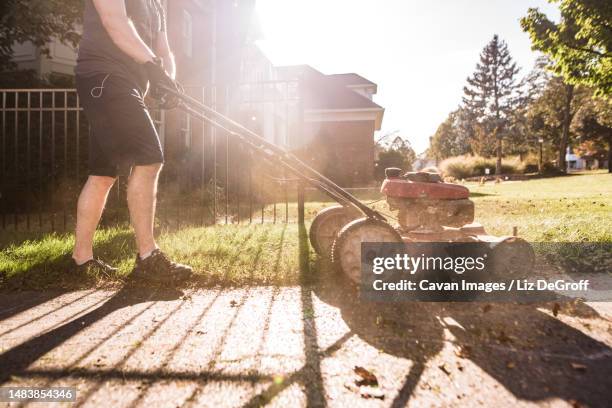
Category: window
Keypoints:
(187, 33)
(186, 129)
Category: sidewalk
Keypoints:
(290, 346)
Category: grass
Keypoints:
(575, 208)
(461, 167)
(265, 254)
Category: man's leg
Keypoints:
(141, 196)
(151, 264)
(89, 210)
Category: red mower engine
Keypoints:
(430, 210)
(424, 202)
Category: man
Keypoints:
(124, 51)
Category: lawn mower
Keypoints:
(429, 210)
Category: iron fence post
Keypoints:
(300, 199)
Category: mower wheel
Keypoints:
(346, 250)
(326, 225)
(512, 258)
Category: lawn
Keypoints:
(259, 254)
(576, 208)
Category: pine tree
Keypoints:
(492, 91)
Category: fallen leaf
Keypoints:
(367, 377)
(371, 392)
(555, 309)
(503, 337)
(510, 365)
(233, 303)
(464, 351)
(578, 366)
(444, 369)
(351, 387)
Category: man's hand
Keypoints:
(162, 85)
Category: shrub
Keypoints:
(461, 167)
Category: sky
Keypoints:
(418, 52)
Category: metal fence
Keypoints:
(209, 178)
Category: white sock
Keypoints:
(148, 254)
(82, 263)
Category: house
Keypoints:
(584, 160)
(329, 120)
(339, 121)
(59, 64)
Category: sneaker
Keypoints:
(158, 268)
(95, 267)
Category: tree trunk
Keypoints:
(498, 148)
(567, 118)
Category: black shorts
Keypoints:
(122, 131)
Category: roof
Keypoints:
(352, 79)
(323, 93)
(329, 92)
(289, 72)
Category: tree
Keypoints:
(593, 124)
(579, 45)
(37, 21)
(397, 154)
(450, 138)
(551, 114)
(519, 139)
(491, 92)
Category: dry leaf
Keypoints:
(503, 337)
(367, 377)
(351, 387)
(576, 404)
(464, 351)
(578, 367)
(510, 365)
(444, 369)
(555, 309)
(371, 392)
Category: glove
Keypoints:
(166, 100)
(159, 79)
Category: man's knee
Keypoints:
(146, 171)
(101, 182)
(153, 168)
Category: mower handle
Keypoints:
(271, 151)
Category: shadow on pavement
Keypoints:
(17, 359)
(532, 354)
(310, 374)
(12, 304)
(525, 350)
